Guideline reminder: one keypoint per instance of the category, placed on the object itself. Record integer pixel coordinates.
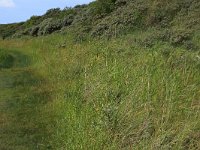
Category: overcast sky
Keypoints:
(20, 10)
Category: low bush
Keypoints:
(68, 20)
(53, 12)
(43, 25)
(52, 27)
(104, 6)
(34, 31)
(112, 18)
(178, 37)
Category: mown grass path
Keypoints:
(22, 96)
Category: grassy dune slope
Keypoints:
(110, 94)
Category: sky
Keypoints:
(12, 11)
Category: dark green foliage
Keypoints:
(10, 29)
(53, 26)
(34, 31)
(48, 26)
(43, 25)
(53, 12)
(68, 20)
(189, 45)
(174, 21)
(34, 20)
(178, 37)
(120, 21)
(120, 3)
(80, 6)
(6, 59)
(104, 6)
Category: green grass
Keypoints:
(104, 95)
(6, 60)
(23, 97)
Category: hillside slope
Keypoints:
(112, 18)
(114, 74)
(106, 95)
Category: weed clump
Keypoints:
(6, 60)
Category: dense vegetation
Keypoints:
(114, 74)
(174, 21)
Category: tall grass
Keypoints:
(116, 94)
